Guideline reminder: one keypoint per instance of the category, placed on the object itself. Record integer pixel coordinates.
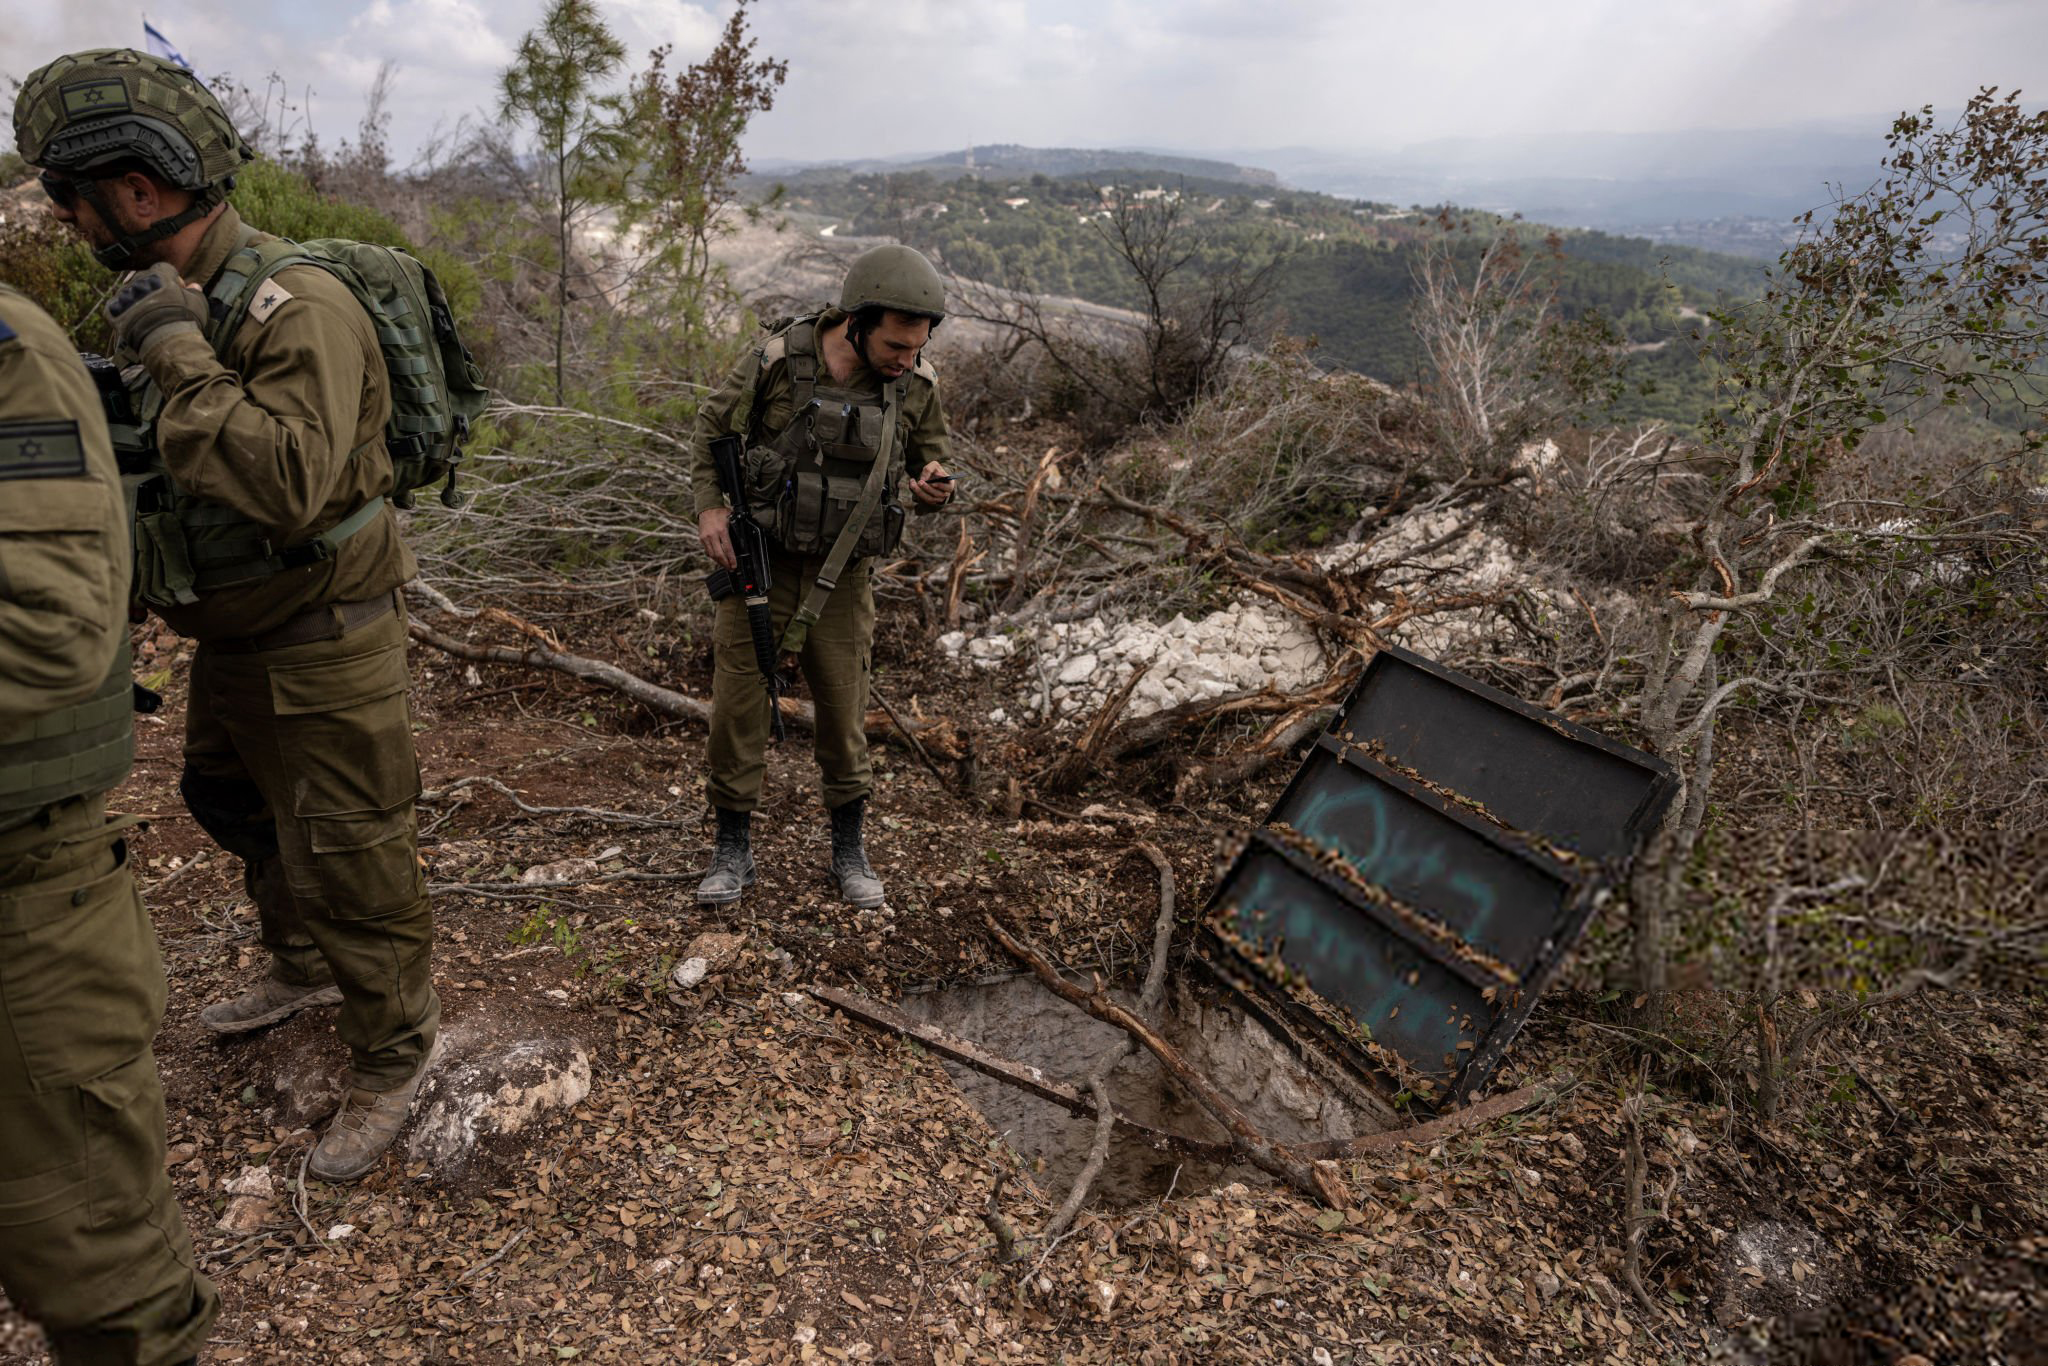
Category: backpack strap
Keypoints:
(813, 607)
(801, 356)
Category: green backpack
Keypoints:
(437, 389)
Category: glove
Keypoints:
(153, 306)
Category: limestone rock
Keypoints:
(486, 1090)
(712, 951)
(252, 1201)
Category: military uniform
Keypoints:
(92, 1244)
(266, 537)
(758, 400)
(298, 738)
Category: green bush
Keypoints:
(48, 263)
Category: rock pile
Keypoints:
(1251, 643)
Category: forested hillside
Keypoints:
(1346, 268)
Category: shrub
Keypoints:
(47, 262)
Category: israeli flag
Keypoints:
(160, 46)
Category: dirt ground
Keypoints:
(752, 1177)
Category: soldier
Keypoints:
(825, 403)
(276, 549)
(92, 1244)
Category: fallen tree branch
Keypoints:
(529, 888)
(1154, 990)
(653, 696)
(663, 701)
(1065, 773)
(627, 818)
(1098, 1153)
(1914, 982)
(496, 1257)
(909, 735)
(1318, 1181)
(992, 1215)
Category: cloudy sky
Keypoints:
(869, 78)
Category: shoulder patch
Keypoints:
(6, 332)
(774, 349)
(270, 296)
(923, 368)
(40, 448)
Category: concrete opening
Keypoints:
(1286, 1098)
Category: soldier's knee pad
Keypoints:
(232, 812)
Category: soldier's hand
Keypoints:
(934, 486)
(714, 530)
(153, 306)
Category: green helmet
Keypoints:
(895, 277)
(89, 111)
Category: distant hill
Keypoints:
(1011, 159)
(1347, 276)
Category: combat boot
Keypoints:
(858, 885)
(732, 860)
(365, 1126)
(265, 1004)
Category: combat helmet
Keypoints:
(896, 277)
(90, 111)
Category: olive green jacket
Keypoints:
(920, 430)
(267, 430)
(64, 556)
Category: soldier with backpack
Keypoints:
(290, 396)
(836, 412)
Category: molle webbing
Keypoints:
(74, 751)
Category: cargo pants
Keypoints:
(834, 660)
(300, 761)
(92, 1244)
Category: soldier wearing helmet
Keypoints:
(838, 412)
(273, 545)
(92, 1244)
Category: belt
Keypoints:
(329, 621)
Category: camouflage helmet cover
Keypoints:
(89, 109)
(895, 277)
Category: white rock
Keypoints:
(999, 717)
(689, 972)
(991, 647)
(254, 1181)
(561, 870)
(952, 642)
(339, 1232)
(483, 1089)
(1079, 669)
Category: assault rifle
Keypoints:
(133, 448)
(133, 456)
(750, 579)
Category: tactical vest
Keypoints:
(804, 482)
(74, 751)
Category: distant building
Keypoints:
(1015, 203)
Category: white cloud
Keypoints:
(878, 77)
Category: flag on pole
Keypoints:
(160, 46)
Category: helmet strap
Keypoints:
(120, 253)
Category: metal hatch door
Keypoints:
(1422, 878)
